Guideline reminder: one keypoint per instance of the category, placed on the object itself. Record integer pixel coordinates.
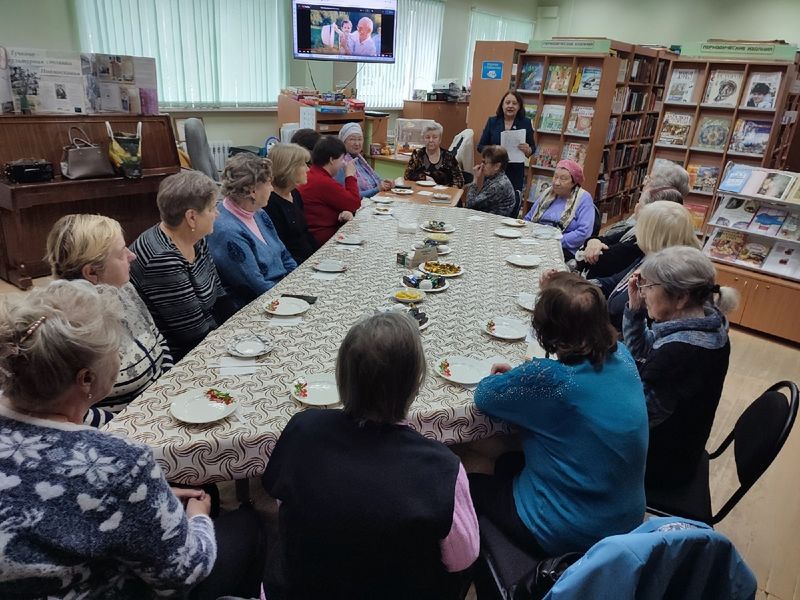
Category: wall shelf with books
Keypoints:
(786, 152)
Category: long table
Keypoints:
(239, 446)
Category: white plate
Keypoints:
(547, 233)
(420, 297)
(524, 260)
(382, 200)
(422, 268)
(426, 183)
(447, 250)
(286, 307)
(505, 232)
(320, 389)
(462, 369)
(513, 222)
(506, 328)
(350, 240)
(527, 301)
(402, 192)
(430, 291)
(330, 265)
(447, 228)
(441, 197)
(249, 346)
(383, 210)
(195, 407)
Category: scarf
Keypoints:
(570, 208)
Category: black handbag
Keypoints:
(82, 159)
(541, 579)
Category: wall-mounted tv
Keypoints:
(354, 30)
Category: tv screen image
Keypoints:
(359, 31)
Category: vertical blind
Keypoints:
(418, 37)
(485, 26)
(208, 52)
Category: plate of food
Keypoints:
(420, 317)
(315, 390)
(383, 210)
(439, 238)
(426, 183)
(249, 345)
(505, 232)
(524, 260)
(441, 268)
(349, 240)
(437, 227)
(462, 369)
(382, 199)
(514, 222)
(402, 191)
(408, 295)
(527, 301)
(441, 249)
(330, 265)
(506, 328)
(286, 307)
(440, 196)
(425, 282)
(203, 406)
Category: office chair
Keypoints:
(757, 438)
(198, 149)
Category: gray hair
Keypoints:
(681, 270)
(667, 182)
(242, 173)
(433, 126)
(49, 334)
(184, 191)
(365, 20)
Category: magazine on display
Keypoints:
(120, 84)
(784, 259)
(698, 213)
(552, 118)
(712, 133)
(539, 186)
(587, 82)
(754, 252)
(702, 178)
(558, 77)
(546, 155)
(574, 151)
(750, 136)
(580, 120)
(681, 86)
(723, 88)
(768, 220)
(675, 128)
(761, 90)
(531, 79)
(725, 245)
(734, 212)
(531, 111)
(790, 230)
(46, 81)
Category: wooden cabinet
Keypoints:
(767, 304)
(452, 116)
(289, 111)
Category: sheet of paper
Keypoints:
(350, 247)
(425, 193)
(510, 140)
(230, 365)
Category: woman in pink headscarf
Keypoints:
(566, 206)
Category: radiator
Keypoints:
(219, 152)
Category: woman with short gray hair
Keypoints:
(432, 162)
(683, 356)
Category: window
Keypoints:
(208, 52)
(418, 36)
(485, 26)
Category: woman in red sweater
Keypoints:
(327, 204)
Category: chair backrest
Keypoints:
(517, 204)
(598, 221)
(198, 149)
(461, 146)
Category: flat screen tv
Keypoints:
(354, 30)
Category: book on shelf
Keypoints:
(675, 128)
(725, 245)
(611, 131)
(723, 88)
(698, 213)
(580, 120)
(558, 77)
(712, 132)
(587, 81)
(761, 90)
(531, 78)
(702, 178)
(774, 186)
(531, 110)
(735, 179)
(750, 136)
(784, 259)
(681, 85)
(546, 155)
(767, 221)
(754, 252)
(623, 70)
(552, 118)
(574, 151)
(790, 230)
(734, 212)
(539, 185)
(620, 97)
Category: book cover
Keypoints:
(754, 253)
(589, 82)
(712, 132)
(531, 111)
(725, 245)
(576, 81)
(790, 230)
(698, 213)
(531, 79)
(784, 259)
(552, 118)
(723, 88)
(623, 70)
(681, 85)
(773, 186)
(768, 221)
(702, 178)
(46, 81)
(580, 120)
(734, 212)
(675, 128)
(761, 90)
(754, 182)
(539, 186)
(735, 179)
(558, 78)
(750, 136)
(547, 155)
(574, 151)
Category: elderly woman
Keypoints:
(492, 191)
(432, 162)
(566, 206)
(91, 248)
(684, 355)
(371, 536)
(510, 116)
(327, 204)
(245, 246)
(174, 273)
(583, 422)
(617, 249)
(285, 208)
(369, 182)
(660, 224)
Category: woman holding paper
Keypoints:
(510, 116)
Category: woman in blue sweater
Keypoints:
(249, 255)
(583, 422)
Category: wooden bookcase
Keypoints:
(786, 154)
(712, 139)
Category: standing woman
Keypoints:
(434, 163)
(289, 170)
(369, 182)
(246, 249)
(510, 116)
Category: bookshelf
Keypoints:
(786, 154)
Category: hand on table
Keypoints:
(386, 185)
(594, 248)
(345, 216)
(499, 368)
(545, 277)
(635, 300)
(350, 169)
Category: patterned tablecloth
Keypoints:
(239, 446)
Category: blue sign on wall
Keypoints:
(492, 69)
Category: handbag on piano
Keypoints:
(82, 159)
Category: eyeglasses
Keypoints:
(643, 286)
